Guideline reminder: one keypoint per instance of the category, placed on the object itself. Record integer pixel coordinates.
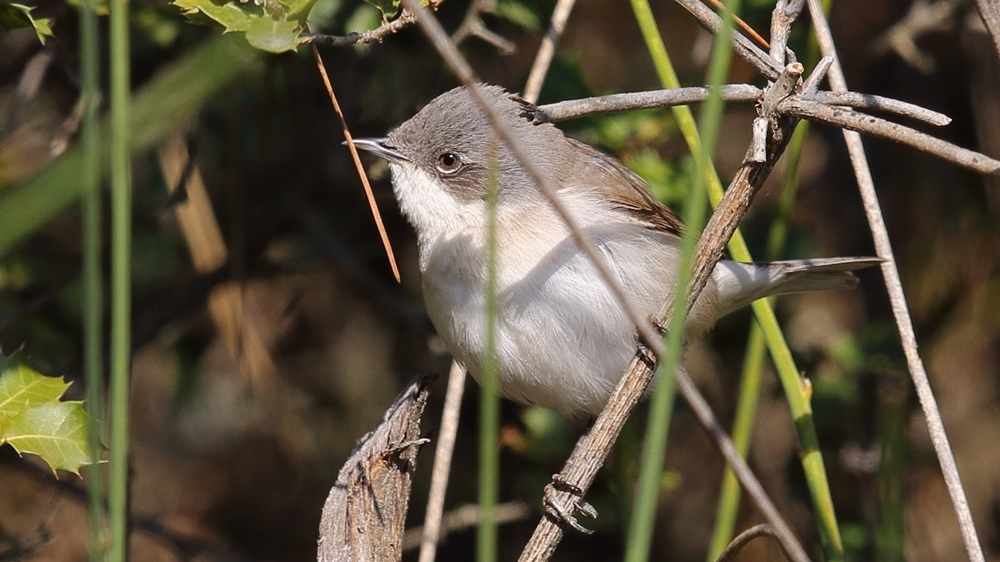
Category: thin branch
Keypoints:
(639, 100)
(472, 25)
(989, 12)
(744, 538)
(432, 530)
(897, 299)
(879, 103)
(466, 517)
(348, 138)
(923, 17)
(543, 59)
(376, 35)
(784, 15)
(870, 125)
(751, 32)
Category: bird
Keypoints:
(561, 338)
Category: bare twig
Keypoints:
(472, 25)
(364, 514)
(879, 103)
(897, 299)
(923, 17)
(868, 124)
(784, 15)
(572, 109)
(744, 538)
(547, 49)
(751, 32)
(376, 35)
(744, 47)
(811, 84)
(465, 517)
(357, 164)
(989, 12)
(432, 529)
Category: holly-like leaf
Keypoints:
(34, 420)
(22, 388)
(232, 16)
(389, 8)
(271, 27)
(18, 15)
(57, 432)
(274, 36)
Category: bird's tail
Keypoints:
(742, 283)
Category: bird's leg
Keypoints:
(565, 513)
(644, 349)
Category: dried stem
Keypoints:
(897, 299)
(744, 47)
(639, 100)
(543, 59)
(860, 122)
(432, 532)
(376, 35)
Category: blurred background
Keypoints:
(269, 333)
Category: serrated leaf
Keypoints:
(232, 16)
(33, 420)
(56, 432)
(13, 16)
(274, 36)
(22, 388)
(389, 8)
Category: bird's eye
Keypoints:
(449, 163)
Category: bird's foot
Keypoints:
(564, 512)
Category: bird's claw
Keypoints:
(566, 514)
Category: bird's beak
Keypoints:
(380, 148)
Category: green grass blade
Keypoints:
(121, 275)
(753, 362)
(788, 373)
(93, 297)
(644, 512)
(489, 410)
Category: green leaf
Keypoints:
(13, 16)
(389, 8)
(274, 36)
(232, 16)
(56, 432)
(297, 8)
(22, 388)
(33, 419)
(519, 13)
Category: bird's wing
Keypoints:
(601, 172)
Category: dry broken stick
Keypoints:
(364, 514)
